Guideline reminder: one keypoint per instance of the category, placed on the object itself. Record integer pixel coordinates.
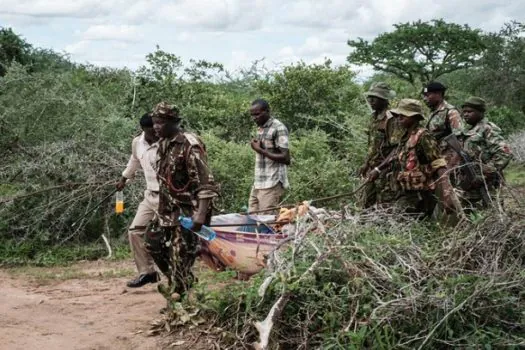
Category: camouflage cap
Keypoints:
(165, 110)
(409, 108)
(381, 90)
(476, 103)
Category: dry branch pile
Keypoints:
(54, 187)
(382, 281)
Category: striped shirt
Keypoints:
(268, 173)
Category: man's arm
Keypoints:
(455, 121)
(132, 166)
(200, 173)
(498, 148)
(281, 141)
(429, 147)
(282, 157)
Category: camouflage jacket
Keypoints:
(384, 134)
(444, 120)
(184, 177)
(484, 143)
(418, 159)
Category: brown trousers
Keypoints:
(265, 198)
(145, 212)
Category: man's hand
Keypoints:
(197, 222)
(373, 175)
(256, 146)
(121, 184)
(449, 204)
(363, 169)
(199, 216)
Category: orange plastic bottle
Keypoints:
(119, 202)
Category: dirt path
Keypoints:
(84, 306)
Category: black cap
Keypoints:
(434, 86)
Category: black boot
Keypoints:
(144, 279)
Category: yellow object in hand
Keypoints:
(119, 202)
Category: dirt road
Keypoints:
(84, 306)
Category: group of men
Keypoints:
(451, 165)
(420, 169)
(179, 182)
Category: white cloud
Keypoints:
(232, 32)
(214, 15)
(56, 8)
(140, 11)
(319, 14)
(78, 48)
(286, 51)
(185, 37)
(112, 32)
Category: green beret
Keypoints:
(381, 90)
(476, 103)
(409, 108)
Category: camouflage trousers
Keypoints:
(473, 200)
(174, 250)
(420, 203)
(377, 192)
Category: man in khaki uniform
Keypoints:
(187, 188)
(143, 156)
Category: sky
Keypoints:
(120, 33)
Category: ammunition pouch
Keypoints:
(414, 180)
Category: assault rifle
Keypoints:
(469, 166)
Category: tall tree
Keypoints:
(419, 52)
(501, 72)
(12, 48)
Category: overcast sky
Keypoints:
(233, 32)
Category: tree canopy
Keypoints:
(419, 52)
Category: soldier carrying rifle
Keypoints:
(484, 154)
(417, 165)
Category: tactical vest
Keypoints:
(413, 175)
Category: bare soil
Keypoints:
(83, 306)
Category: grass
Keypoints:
(14, 254)
(515, 174)
(8, 190)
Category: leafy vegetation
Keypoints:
(420, 52)
(66, 130)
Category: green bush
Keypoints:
(385, 283)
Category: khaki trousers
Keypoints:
(265, 198)
(145, 212)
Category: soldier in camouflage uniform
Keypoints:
(444, 119)
(485, 145)
(384, 133)
(418, 166)
(186, 188)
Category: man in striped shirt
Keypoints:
(272, 158)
